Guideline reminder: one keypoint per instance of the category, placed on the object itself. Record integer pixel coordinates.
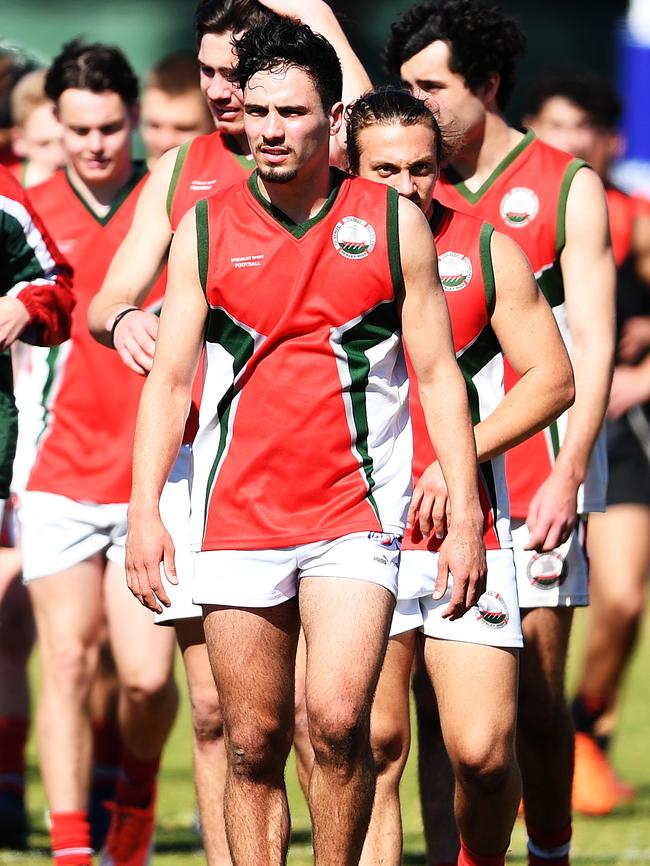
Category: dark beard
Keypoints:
(277, 175)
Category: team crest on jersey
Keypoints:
(492, 610)
(519, 207)
(354, 238)
(455, 271)
(546, 570)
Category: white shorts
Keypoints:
(494, 621)
(175, 514)
(57, 533)
(558, 578)
(264, 578)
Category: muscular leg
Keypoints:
(619, 550)
(68, 611)
(435, 772)
(544, 730)
(346, 626)
(390, 739)
(478, 725)
(208, 748)
(252, 654)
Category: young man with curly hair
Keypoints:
(460, 56)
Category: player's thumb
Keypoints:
(169, 560)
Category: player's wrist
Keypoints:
(117, 318)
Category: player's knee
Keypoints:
(67, 670)
(258, 752)
(484, 766)
(207, 721)
(625, 610)
(147, 689)
(339, 733)
(542, 713)
(390, 744)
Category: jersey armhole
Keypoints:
(176, 173)
(202, 241)
(485, 247)
(392, 237)
(560, 234)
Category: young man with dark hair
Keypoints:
(73, 513)
(35, 306)
(459, 55)
(579, 112)
(182, 177)
(285, 539)
(173, 108)
(496, 310)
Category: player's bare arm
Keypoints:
(134, 269)
(589, 278)
(427, 335)
(14, 318)
(320, 17)
(163, 411)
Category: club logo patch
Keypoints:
(354, 238)
(455, 271)
(546, 570)
(519, 207)
(492, 610)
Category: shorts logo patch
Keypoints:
(385, 539)
(519, 207)
(546, 570)
(455, 271)
(354, 238)
(492, 610)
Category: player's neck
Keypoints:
(485, 148)
(302, 198)
(100, 197)
(240, 144)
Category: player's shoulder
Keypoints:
(47, 190)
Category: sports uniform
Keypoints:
(466, 274)
(303, 456)
(33, 270)
(203, 167)
(525, 197)
(75, 502)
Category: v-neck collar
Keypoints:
(509, 158)
(139, 171)
(298, 230)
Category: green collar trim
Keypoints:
(298, 230)
(474, 197)
(139, 171)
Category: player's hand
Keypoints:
(147, 545)
(635, 339)
(429, 505)
(553, 510)
(462, 555)
(14, 318)
(630, 386)
(134, 339)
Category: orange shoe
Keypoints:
(594, 785)
(130, 837)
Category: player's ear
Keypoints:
(336, 118)
(487, 91)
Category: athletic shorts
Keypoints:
(629, 469)
(494, 621)
(264, 578)
(175, 514)
(557, 578)
(57, 533)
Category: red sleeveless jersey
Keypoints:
(465, 265)
(204, 166)
(304, 431)
(525, 198)
(85, 452)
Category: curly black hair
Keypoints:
(482, 40)
(282, 43)
(587, 90)
(221, 16)
(92, 66)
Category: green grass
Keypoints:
(617, 840)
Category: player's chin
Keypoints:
(278, 175)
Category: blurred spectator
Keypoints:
(173, 107)
(13, 65)
(37, 133)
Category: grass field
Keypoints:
(622, 838)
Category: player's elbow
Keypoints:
(561, 388)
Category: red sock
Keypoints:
(70, 838)
(548, 847)
(13, 738)
(470, 858)
(107, 751)
(136, 783)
